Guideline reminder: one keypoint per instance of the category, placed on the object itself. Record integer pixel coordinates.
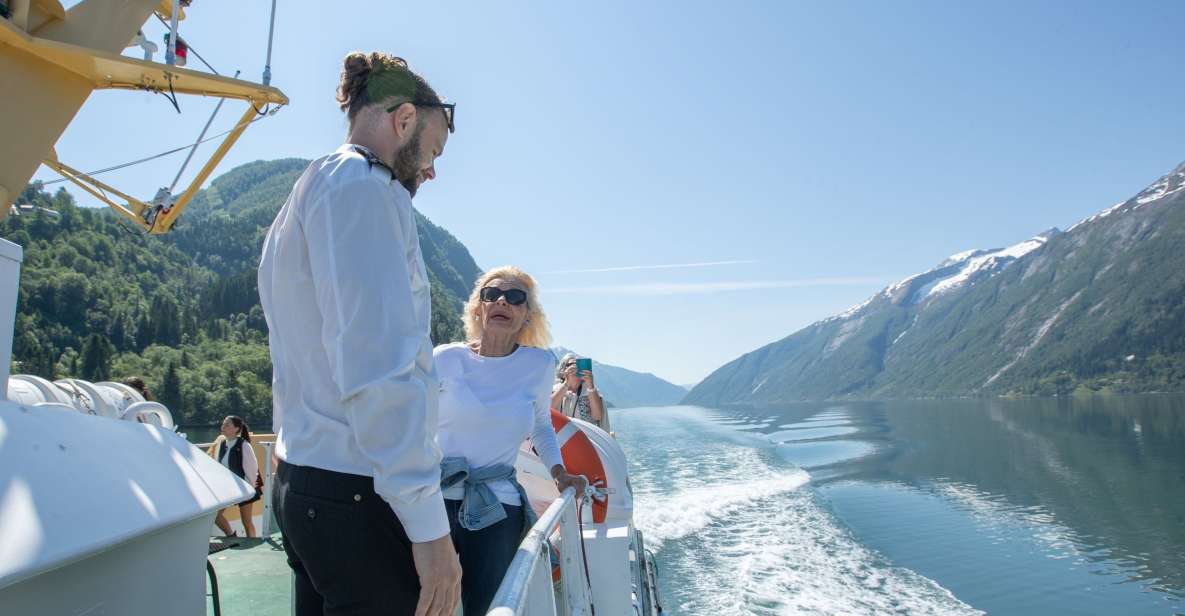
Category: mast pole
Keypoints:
(267, 66)
(171, 53)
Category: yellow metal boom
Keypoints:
(50, 62)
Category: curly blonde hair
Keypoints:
(535, 332)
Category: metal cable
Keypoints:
(169, 152)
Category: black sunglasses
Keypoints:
(450, 109)
(514, 297)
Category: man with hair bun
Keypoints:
(347, 300)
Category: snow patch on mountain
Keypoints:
(1101, 215)
(851, 312)
(985, 264)
(956, 271)
(892, 290)
(1170, 184)
(905, 331)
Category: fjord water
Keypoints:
(1072, 506)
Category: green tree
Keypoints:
(166, 320)
(143, 332)
(67, 364)
(96, 358)
(170, 389)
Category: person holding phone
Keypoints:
(575, 393)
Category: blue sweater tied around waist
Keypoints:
(480, 507)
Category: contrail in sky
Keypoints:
(684, 288)
(630, 268)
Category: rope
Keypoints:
(171, 96)
(169, 152)
(584, 554)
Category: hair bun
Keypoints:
(375, 77)
(355, 73)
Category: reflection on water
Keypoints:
(806, 434)
(1011, 506)
(199, 434)
(1109, 471)
(823, 453)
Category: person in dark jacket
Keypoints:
(233, 450)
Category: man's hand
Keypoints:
(440, 577)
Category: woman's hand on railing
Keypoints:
(564, 480)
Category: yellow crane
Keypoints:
(52, 59)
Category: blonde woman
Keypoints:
(495, 390)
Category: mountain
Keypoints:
(1099, 307)
(627, 388)
(100, 300)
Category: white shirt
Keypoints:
(250, 462)
(347, 301)
(489, 405)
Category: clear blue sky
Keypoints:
(824, 149)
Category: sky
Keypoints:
(689, 181)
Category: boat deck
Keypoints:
(253, 577)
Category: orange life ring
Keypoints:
(580, 458)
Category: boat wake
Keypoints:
(738, 530)
(679, 515)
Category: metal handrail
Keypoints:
(268, 470)
(527, 587)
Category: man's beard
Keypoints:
(407, 162)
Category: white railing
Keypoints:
(527, 588)
(269, 472)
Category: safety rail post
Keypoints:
(573, 583)
(268, 470)
(526, 588)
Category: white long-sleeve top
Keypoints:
(490, 405)
(346, 296)
(250, 462)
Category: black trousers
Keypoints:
(348, 552)
(485, 555)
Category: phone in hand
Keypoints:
(583, 364)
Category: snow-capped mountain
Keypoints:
(1101, 305)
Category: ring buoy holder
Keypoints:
(581, 458)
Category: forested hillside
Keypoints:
(100, 300)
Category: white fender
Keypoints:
(153, 413)
(87, 398)
(124, 395)
(30, 390)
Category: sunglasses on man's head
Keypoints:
(450, 109)
(514, 297)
